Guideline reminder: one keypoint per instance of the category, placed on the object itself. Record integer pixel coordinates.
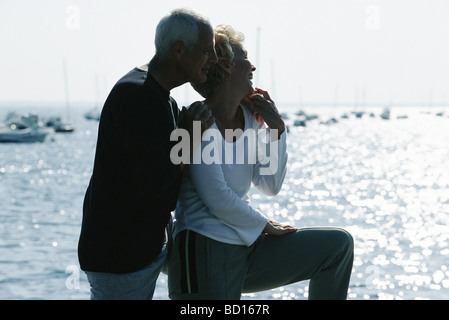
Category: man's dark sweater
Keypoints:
(134, 185)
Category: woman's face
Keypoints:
(242, 70)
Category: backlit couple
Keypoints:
(220, 247)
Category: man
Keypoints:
(134, 185)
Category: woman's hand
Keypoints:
(276, 229)
(265, 108)
(246, 101)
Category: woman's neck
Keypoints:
(224, 105)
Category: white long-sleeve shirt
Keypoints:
(213, 199)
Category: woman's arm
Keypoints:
(224, 203)
(269, 171)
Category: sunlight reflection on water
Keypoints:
(386, 182)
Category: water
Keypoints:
(384, 181)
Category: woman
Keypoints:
(223, 246)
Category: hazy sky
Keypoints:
(311, 51)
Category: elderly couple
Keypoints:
(220, 247)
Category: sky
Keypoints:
(331, 52)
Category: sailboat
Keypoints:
(385, 114)
(59, 126)
(94, 114)
(23, 128)
(55, 122)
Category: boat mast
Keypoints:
(66, 85)
(258, 56)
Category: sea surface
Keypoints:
(385, 181)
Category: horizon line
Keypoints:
(302, 104)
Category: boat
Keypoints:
(358, 114)
(64, 128)
(27, 135)
(300, 123)
(23, 128)
(57, 124)
(93, 114)
(385, 114)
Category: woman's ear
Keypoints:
(225, 65)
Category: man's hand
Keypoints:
(198, 111)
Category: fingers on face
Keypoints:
(247, 102)
(260, 102)
(261, 97)
(264, 93)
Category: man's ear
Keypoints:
(225, 65)
(179, 49)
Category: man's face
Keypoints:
(198, 62)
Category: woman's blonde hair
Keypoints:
(225, 38)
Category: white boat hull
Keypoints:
(27, 135)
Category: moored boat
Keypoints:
(27, 135)
(59, 126)
(23, 128)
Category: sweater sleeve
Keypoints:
(224, 203)
(270, 170)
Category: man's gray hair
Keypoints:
(179, 25)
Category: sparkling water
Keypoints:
(385, 181)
